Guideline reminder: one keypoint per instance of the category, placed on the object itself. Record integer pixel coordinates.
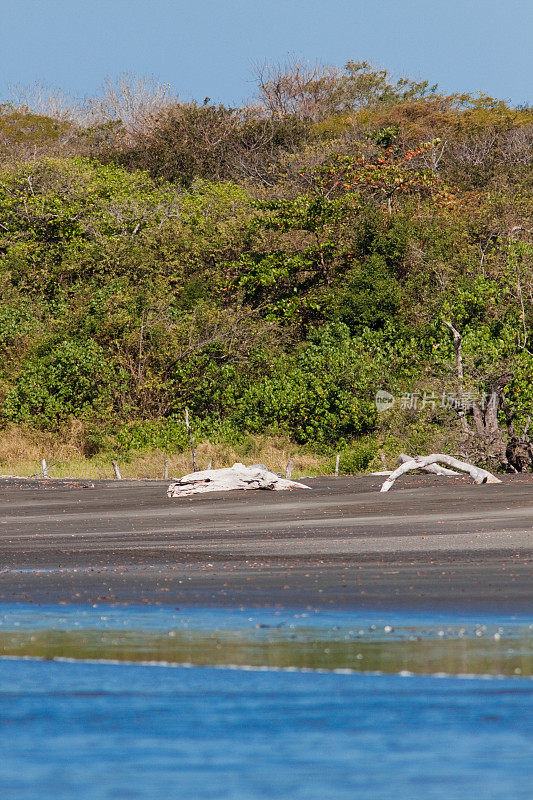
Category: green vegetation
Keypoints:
(270, 268)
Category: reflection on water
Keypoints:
(337, 641)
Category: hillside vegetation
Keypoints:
(271, 268)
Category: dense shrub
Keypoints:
(358, 456)
(320, 394)
(269, 268)
(67, 379)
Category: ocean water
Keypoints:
(110, 702)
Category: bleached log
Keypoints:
(230, 478)
(403, 458)
(477, 474)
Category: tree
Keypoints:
(26, 134)
(316, 92)
(386, 176)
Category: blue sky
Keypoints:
(208, 47)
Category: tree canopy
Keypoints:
(269, 267)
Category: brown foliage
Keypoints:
(186, 141)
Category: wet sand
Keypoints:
(429, 544)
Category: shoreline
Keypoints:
(431, 543)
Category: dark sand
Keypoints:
(429, 544)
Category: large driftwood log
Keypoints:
(403, 458)
(477, 474)
(236, 477)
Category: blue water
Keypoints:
(68, 617)
(95, 731)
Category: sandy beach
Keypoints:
(430, 543)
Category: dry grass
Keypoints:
(22, 450)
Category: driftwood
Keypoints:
(477, 474)
(230, 478)
(403, 458)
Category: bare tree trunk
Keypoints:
(486, 429)
(141, 334)
(457, 338)
(486, 420)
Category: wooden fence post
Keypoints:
(191, 440)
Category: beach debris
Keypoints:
(477, 474)
(435, 469)
(228, 479)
